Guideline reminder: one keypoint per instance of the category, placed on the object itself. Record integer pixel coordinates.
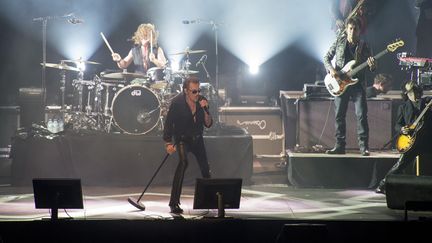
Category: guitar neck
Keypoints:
(357, 69)
(422, 114)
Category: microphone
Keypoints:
(201, 60)
(75, 21)
(205, 107)
(195, 21)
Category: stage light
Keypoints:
(254, 69)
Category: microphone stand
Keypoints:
(44, 21)
(137, 203)
(215, 28)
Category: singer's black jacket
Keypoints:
(179, 122)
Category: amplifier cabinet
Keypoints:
(264, 124)
(316, 123)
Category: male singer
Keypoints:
(184, 124)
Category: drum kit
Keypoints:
(120, 101)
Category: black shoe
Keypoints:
(380, 190)
(364, 152)
(176, 209)
(381, 187)
(336, 150)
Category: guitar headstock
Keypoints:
(395, 45)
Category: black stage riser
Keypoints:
(325, 171)
(125, 160)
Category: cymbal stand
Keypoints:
(107, 110)
(62, 89)
(98, 94)
(88, 107)
(79, 84)
(187, 63)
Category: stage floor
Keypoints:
(268, 198)
(269, 208)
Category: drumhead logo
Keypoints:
(259, 123)
(136, 92)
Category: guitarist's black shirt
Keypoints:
(408, 113)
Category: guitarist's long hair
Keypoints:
(416, 88)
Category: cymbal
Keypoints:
(123, 75)
(61, 66)
(187, 52)
(80, 61)
(185, 72)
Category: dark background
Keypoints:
(289, 69)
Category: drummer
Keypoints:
(146, 52)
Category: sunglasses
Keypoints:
(194, 91)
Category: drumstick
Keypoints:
(151, 41)
(106, 42)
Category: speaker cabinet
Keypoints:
(414, 190)
(316, 123)
(263, 123)
(31, 106)
(9, 123)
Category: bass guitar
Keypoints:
(344, 78)
(405, 142)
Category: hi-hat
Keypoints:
(61, 66)
(123, 75)
(80, 61)
(188, 51)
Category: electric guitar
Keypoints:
(337, 86)
(353, 13)
(405, 142)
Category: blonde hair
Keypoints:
(143, 32)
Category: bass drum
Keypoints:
(136, 110)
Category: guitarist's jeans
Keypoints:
(358, 96)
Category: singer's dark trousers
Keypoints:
(196, 147)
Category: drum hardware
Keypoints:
(188, 51)
(61, 66)
(80, 61)
(88, 107)
(123, 75)
(79, 86)
(107, 108)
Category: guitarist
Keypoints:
(347, 47)
(407, 113)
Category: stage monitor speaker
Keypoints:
(217, 194)
(316, 123)
(31, 106)
(55, 193)
(409, 192)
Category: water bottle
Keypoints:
(50, 125)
